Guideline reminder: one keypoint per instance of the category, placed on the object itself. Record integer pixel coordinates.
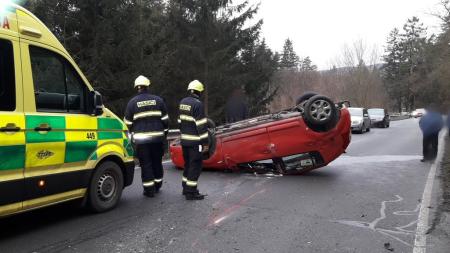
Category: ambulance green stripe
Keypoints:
(12, 157)
(55, 122)
(109, 135)
(94, 157)
(109, 124)
(79, 151)
(128, 147)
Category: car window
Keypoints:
(378, 112)
(76, 90)
(355, 111)
(58, 88)
(7, 77)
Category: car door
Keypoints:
(55, 159)
(247, 145)
(12, 125)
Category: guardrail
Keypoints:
(399, 117)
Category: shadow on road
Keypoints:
(39, 219)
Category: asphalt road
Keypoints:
(366, 198)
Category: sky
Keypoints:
(321, 28)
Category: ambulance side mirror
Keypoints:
(95, 103)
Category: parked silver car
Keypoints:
(360, 119)
(379, 117)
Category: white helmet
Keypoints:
(141, 81)
(196, 85)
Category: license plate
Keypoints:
(306, 163)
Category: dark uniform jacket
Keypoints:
(236, 109)
(146, 117)
(193, 122)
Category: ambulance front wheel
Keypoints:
(106, 187)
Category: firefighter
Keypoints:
(194, 139)
(146, 117)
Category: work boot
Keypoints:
(185, 192)
(194, 196)
(149, 192)
(157, 188)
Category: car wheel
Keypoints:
(106, 187)
(211, 124)
(320, 113)
(305, 97)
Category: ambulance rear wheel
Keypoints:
(106, 187)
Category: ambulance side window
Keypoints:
(57, 86)
(76, 90)
(7, 77)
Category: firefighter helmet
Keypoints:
(141, 81)
(196, 85)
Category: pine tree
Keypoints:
(391, 69)
(289, 58)
(307, 65)
(210, 37)
(259, 65)
(413, 43)
(405, 63)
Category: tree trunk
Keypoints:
(205, 84)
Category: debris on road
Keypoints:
(388, 246)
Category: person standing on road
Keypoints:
(147, 119)
(194, 139)
(431, 124)
(236, 108)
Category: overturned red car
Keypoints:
(294, 141)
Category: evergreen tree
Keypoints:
(391, 69)
(413, 43)
(289, 58)
(307, 65)
(259, 65)
(211, 36)
(405, 68)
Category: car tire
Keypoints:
(105, 187)
(320, 113)
(211, 139)
(211, 123)
(305, 97)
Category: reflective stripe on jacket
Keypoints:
(193, 122)
(146, 117)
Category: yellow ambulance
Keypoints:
(57, 140)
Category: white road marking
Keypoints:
(420, 241)
(392, 233)
(349, 160)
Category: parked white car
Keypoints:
(418, 113)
